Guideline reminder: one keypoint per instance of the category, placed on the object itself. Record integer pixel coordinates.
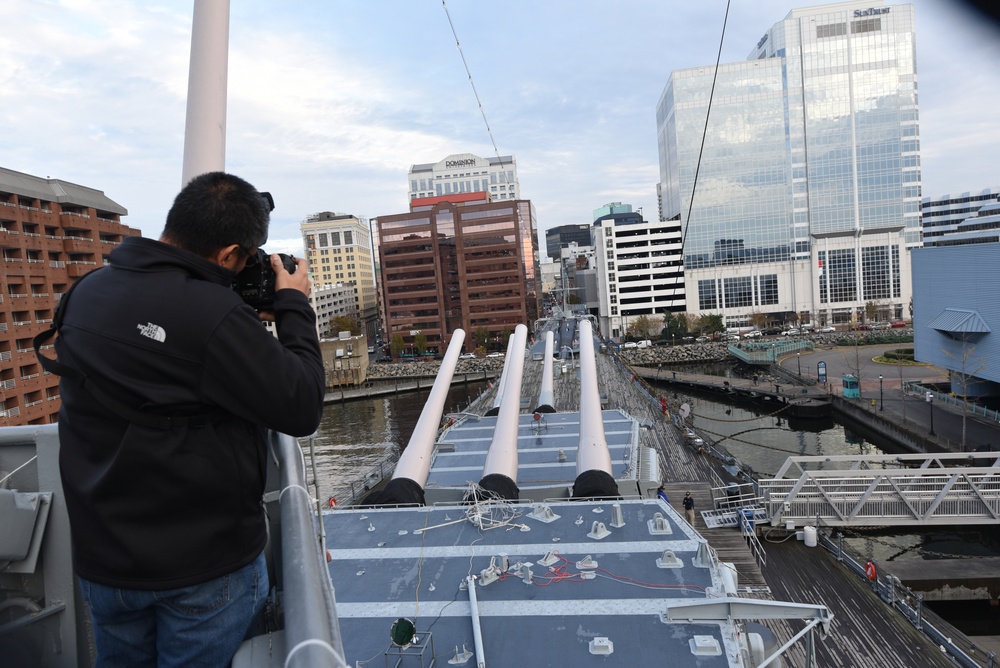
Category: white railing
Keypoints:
(11, 412)
(5, 356)
(8, 384)
(11, 259)
(17, 295)
(52, 398)
(30, 376)
(21, 323)
(32, 403)
(34, 260)
(894, 490)
(57, 263)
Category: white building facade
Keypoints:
(339, 250)
(466, 173)
(808, 192)
(640, 270)
(943, 216)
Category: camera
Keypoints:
(256, 283)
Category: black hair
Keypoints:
(215, 210)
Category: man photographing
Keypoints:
(169, 383)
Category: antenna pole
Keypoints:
(205, 126)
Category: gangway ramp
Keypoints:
(886, 490)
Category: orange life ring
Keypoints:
(332, 502)
(870, 571)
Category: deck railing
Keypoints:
(894, 594)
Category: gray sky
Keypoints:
(331, 101)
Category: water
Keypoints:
(358, 437)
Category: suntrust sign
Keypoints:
(872, 11)
(460, 163)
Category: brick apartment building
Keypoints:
(459, 261)
(51, 233)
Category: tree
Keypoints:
(710, 323)
(396, 344)
(968, 368)
(674, 326)
(573, 299)
(871, 308)
(420, 343)
(759, 320)
(481, 337)
(344, 323)
(641, 327)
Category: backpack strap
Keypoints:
(117, 407)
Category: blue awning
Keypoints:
(959, 321)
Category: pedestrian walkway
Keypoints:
(882, 392)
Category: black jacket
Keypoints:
(161, 330)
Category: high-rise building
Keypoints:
(943, 216)
(458, 261)
(808, 189)
(557, 238)
(640, 271)
(466, 173)
(339, 250)
(52, 232)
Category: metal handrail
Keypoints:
(312, 630)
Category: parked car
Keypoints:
(828, 328)
(702, 339)
(495, 355)
(879, 325)
(630, 344)
(753, 334)
(791, 332)
(661, 342)
(467, 356)
(898, 323)
(732, 337)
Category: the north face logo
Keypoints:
(152, 331)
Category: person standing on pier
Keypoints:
(688, 504)
(662, 494)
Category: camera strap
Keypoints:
(117, 407)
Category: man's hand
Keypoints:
(283, 280)
(297, 281)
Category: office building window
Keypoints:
(738, 291)
(767, 290)
(707, 297)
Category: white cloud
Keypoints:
(330, 103)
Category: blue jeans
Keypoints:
(201, 625)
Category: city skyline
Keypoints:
(332, 118)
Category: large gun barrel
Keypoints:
(410, 476)
(593, 459)
(500, 467)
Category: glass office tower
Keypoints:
(808, 192)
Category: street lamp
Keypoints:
(930, 399)
(658, 367)
(798, 358)
(881, 397)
